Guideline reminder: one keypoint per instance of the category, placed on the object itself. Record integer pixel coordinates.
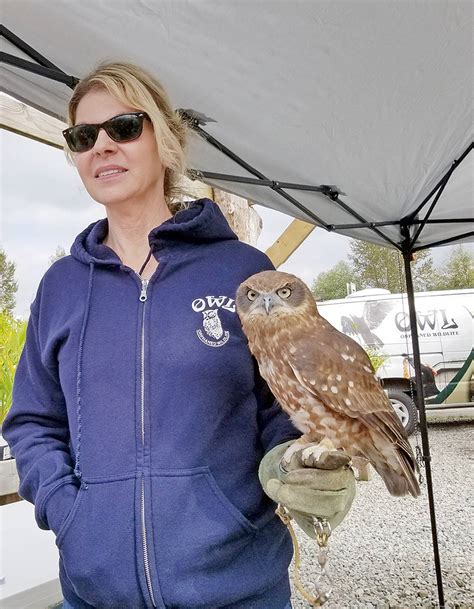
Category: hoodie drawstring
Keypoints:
(77, 469)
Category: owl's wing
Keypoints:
(318, 358)
(376, 311)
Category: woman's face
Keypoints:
(143, 180)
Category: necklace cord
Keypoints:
(145, 263)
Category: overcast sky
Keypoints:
(44, 205)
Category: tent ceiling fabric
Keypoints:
(374, 98)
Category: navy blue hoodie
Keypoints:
(139, 419)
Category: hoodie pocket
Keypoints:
(204, 544)
(97, 545)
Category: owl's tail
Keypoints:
(399, 472)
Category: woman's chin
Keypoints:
(111, 199)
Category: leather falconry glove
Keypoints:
(324, 491)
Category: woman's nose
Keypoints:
(104, 143)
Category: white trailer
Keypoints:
(379, 321)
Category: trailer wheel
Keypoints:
(405, 409)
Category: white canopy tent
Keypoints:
(372, 99)
(355, 116)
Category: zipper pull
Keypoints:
(143, 292)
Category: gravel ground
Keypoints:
(381, 556)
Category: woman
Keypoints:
(139, 418)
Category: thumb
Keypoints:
(273, 489)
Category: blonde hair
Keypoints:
(135, 87)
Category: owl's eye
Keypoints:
(284, 292)
(251, 295)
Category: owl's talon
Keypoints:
(322, 456)
(334, 459)
(311, 456)
(292, 457)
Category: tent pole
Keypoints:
(420, 402)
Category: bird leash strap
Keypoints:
(323, 583)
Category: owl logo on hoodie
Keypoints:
(213, 328)
(212, 324)
(212, 333)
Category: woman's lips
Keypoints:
(111, 176)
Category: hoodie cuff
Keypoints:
(58, 506)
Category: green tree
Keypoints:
(8, 285)
(60, 253)
(458, 271)
(332, 283)
(375, 266)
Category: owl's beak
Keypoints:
(268, 303)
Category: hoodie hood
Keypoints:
(202, 223)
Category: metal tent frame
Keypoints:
(411, 227)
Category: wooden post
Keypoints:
(24, 120)
(196, 189)
(9, 482)
(243, 219)
(289, 241)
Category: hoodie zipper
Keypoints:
(146, 561)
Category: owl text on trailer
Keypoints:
(323, 379)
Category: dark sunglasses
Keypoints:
(121, 128)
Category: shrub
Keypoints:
(12, 339)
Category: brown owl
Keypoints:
(323, 379)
